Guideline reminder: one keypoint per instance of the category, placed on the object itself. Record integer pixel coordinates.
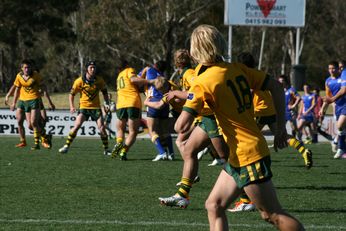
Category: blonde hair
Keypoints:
(207, 45)
(182, 58)
(161, 84)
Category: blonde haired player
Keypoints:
(221, 85)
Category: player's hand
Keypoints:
(321, 113)
(328, 100)
(72, 110)
(170, 95)
(52, 107)
(280, 139)
(6, 100)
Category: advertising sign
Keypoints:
(278, 13)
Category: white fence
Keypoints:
(61, 121)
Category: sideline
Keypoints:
(153, 223)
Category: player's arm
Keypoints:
(278, 95)
(155, 105)
(182, 95)
(15, 98)
(297, 100)
(332, 99)
(46, 94)
(140, 82)
(313, 104)
(325, 104)
(71, 101)
(143, 74)
(105, 97)
(9, 94)
(300, 109)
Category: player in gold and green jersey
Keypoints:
(265, 114)
(28, 86)
(128, 108)
(88, 86)
(204, 132)
(226, 88)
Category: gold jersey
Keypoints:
(263, 103)
(127, 93)
(89, 92)
(187, 78)
(30, 88)
(206, 111)
(226, 88)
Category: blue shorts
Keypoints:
(308, 118)
(340, 110)
(290, 115)
(162, 113)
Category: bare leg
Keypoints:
(224, 192)
(263, 195)
(197, 141)
(20, 120)
(133, 130)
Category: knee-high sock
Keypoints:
(156, 141)
(298, 145)
(70, 138)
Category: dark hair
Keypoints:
(123, 63)
(247, 59)
(26, 61)
(285, 77)
(161, 65)
(334, 63)
(91, 62)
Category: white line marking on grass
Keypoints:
(152, 223)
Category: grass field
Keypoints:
(84, 190)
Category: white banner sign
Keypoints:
(278, 13)
(59, 124)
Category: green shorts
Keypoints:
(209, 125)
(94, 114)
(128, 113)
(256, 172)
(28, 105)
(265, 120)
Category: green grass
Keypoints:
(84, 190)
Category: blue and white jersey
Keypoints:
(308, 101)
(153, 73)
(343, 78)
(333, 85)
(290, 96)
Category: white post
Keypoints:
(262, 45)
(229, 44)
(297, 45)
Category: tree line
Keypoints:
(61, 36)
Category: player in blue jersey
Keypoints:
(292, 99)
(306, 115)
(333, 85)
(157, 119)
